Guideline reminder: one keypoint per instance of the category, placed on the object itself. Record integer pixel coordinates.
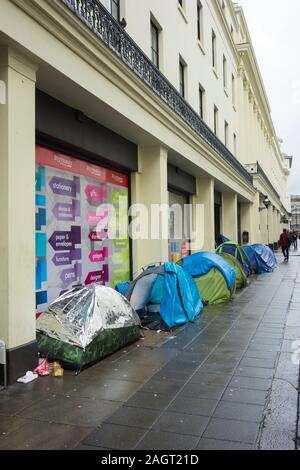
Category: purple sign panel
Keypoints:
(67, 212)
(65, 187)
(62, 241)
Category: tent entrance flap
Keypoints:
(169, 289)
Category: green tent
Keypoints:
(235, 250)
(213, 288)
(241, 278)
(214, 277)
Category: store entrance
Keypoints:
(179, 226)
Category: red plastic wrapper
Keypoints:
(42, 369)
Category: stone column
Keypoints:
(17, 211)
(204, 216)
(271, 226)
(149, 188)
(250, 219)
(264, 226)
(230, 216)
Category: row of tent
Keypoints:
(173, 295)
(89, 323)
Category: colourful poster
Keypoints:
(71, 249)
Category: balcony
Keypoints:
(103, 25)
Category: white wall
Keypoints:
(178, 37)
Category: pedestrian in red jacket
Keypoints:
(285, 244)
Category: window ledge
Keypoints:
(200, 45)
(215, 73)
(183, 14)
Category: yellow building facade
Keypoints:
(166, 100)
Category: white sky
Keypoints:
(275, 30)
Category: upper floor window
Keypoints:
(226, 127)
(224, 7)
(201, 101)
(200, 21)
(113, 6)
(154, 44)
(216, 120)
(182, 78)
(224, 72)
(214, 49)
(233, 89)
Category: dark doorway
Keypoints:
(239, 222)
(218, 212)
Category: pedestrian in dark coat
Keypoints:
(285, 243)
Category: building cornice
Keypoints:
(260, 176)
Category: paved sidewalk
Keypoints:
(225, 382)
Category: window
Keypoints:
(224, 72)
(224, 7)
(226, 133)
(234, 144)
(115, 9)
(201, 101)
(233, 89)
(214, 50)
(113, 6)
(216, 117)
(182, 78)
(154, 45)
(199, 21)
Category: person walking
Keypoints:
(285, 244)
(295, 240)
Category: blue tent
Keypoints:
(222, 239)
(200, 264)
(123, 288)
(214, 277)
(252, 258)
(262, 258)
(168, 291)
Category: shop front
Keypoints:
(181, 188)
(82, 202)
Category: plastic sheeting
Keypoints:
(200, 264)
(80, 315)
(170, 285)
(252, 258)
(222, 239)
(262, 258)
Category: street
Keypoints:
(226, 382)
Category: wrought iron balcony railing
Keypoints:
(108, 30)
